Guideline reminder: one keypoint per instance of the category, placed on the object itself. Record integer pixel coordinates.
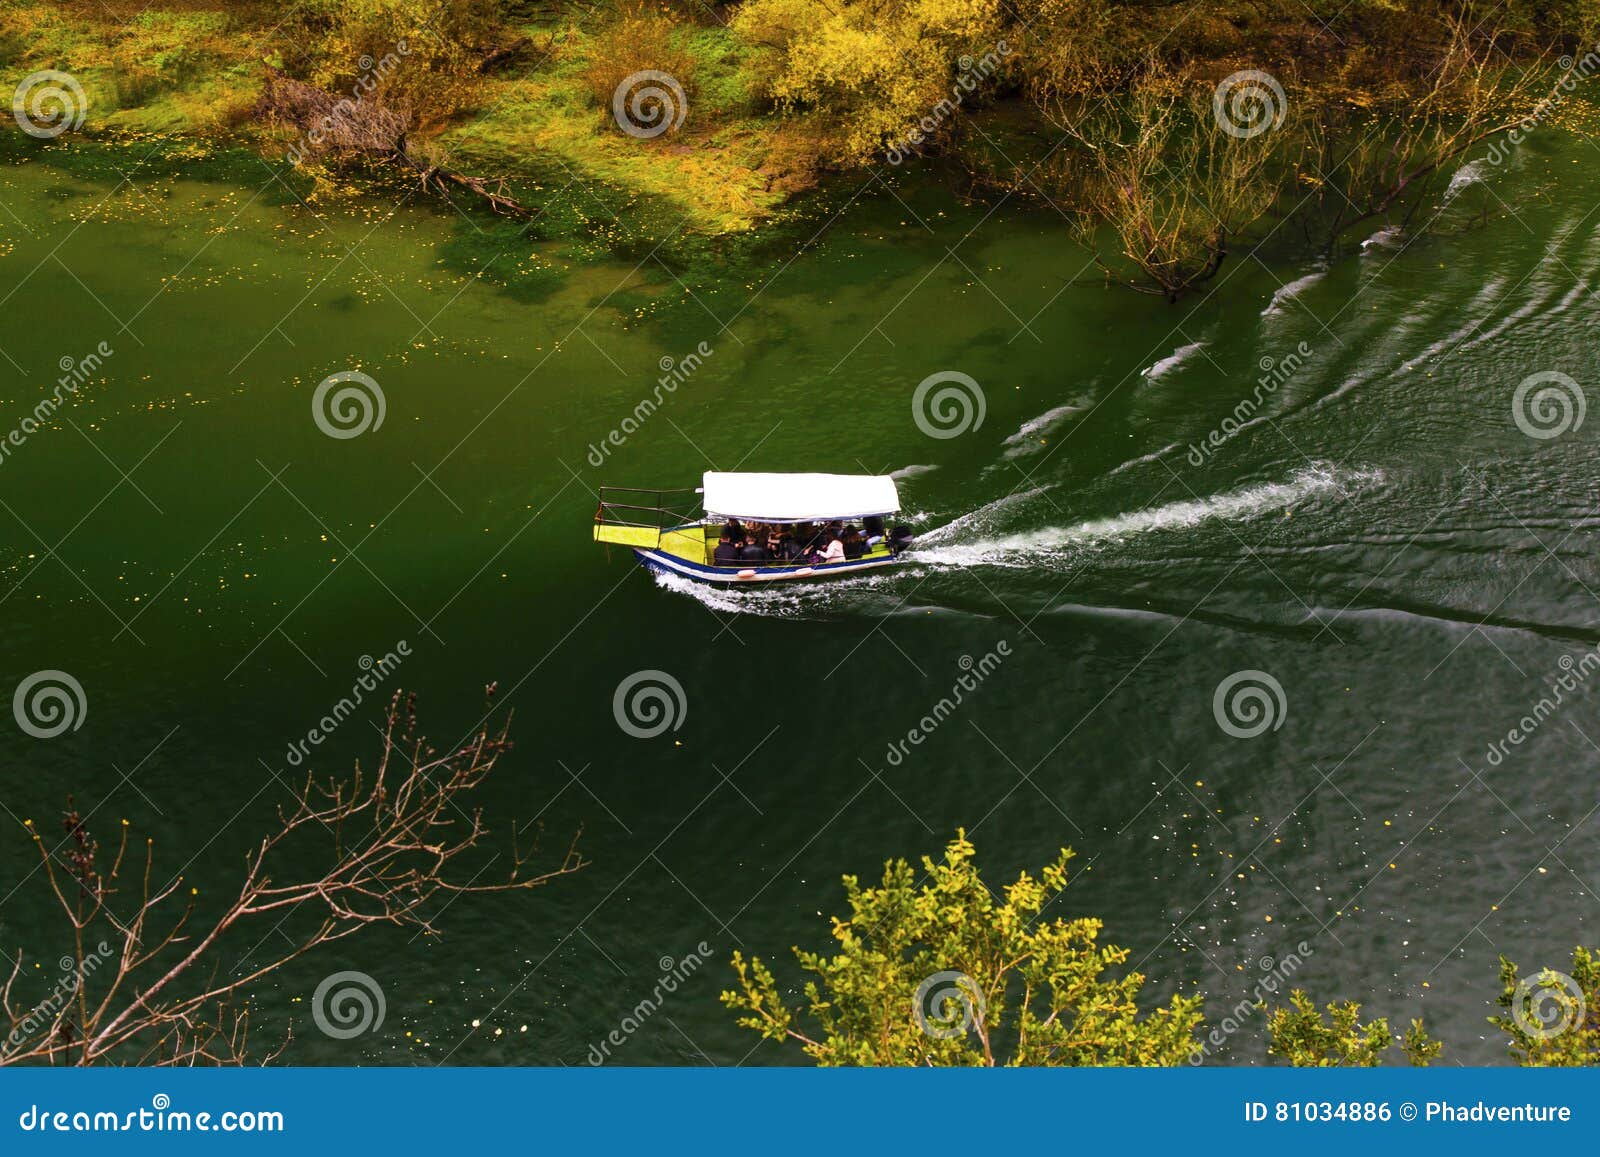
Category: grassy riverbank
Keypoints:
(1167, 138)
(188, 68)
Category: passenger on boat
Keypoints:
(872, 528)
(726, 554)
(835, 549)
(853, 544)
(733, 531)
(753, 551)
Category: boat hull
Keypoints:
(658, 560)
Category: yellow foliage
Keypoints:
(880, 76)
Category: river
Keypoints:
(1311, 494)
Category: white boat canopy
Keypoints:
(799, 497)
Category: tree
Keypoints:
(876, 76)
(1554, 1019)
(434, 49)
(1308, 1038)
(946, 973)
(1176, 187)
(141, 981)
(1375, 143)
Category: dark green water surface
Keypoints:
(1380, 538)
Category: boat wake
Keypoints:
(1471, 173)
(1172, 361)
(777, 600)
(1027, 439)
(951, 548)
(1288, 293)
(1051, 543)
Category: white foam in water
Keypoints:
(1172, 361)
(980, 518)
(774, 600)
(1467, 174)
(1145, 459)
(1383, 239)
(1291, 291)
(1026, 441)
(910, 472)
(1029, 547)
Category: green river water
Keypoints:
(1376, 534)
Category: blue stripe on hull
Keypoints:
(728, 575)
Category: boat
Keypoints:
(677, 531)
